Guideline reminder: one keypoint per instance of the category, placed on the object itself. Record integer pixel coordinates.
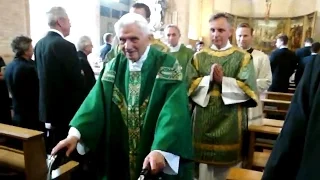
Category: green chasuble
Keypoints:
(219, 128)
(130, 113)
(156, 43)
(184, 55)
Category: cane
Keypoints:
(145, 174)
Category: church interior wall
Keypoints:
(14, 21)
(190, 15)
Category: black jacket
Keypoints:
(60, 80)
(89, 78)
(283, 63)
(22, 80)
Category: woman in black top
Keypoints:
(22, 80)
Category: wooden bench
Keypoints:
(260, 159)
(32, 159)
(254, 129)
(272, 122)
(279, 96)
(275, 108)
(291, 90)
(243, 174)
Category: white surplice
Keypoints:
(262, 68)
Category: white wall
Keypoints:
(84, 18)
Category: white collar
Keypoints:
(136, 66)
(214, 47)
(56, 31)
(314, 53)
(282, 46)
(176, 48)
(307, 44)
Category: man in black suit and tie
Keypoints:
(315, 48)
(60, 80)
(306, 50)
(283, 63)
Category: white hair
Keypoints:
(83, 42)
(54, 14)
(132, 18)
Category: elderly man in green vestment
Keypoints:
(222, 84)
(136, 115)
(143, 10)
(178, 50)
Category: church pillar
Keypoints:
(194, 20)
(206, 12)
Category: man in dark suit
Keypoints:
(107, 38)
(283, 63)
(84, 47)
(306, 50)
(315, 48)
(60, 80)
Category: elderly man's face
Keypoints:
(133, 41)
(89, 47)
(220, 31)
(65, 25)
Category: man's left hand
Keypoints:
(218, 74)
(156, 161)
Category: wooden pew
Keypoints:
(272, 122)
(254, 129)
(275, 108)
(32, 159)
(279, 96)
(260, 159)
(291, 90)
(243, 174)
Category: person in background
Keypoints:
(199, 46)
(283, 64)
(5, 102)
(306, 50)
(60, 80)
(129, 119)
(23, 83)
(315, 48)
(177, 49)
(222, 84)
(107, 38)
(143, 10)
(261, 62)
(295, 155)
(84, 47)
